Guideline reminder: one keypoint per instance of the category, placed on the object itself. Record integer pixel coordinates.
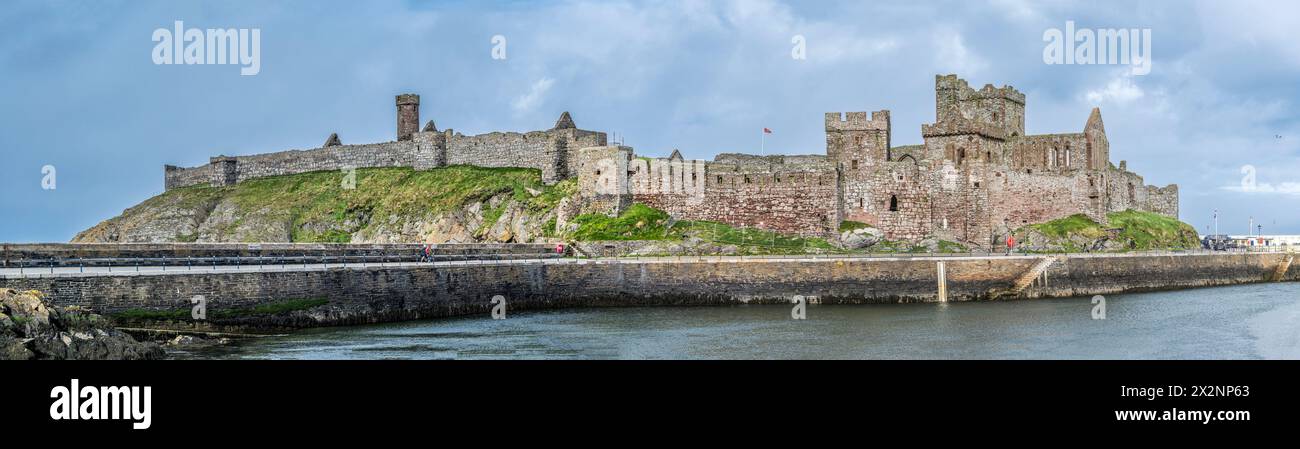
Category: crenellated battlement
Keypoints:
(857, 121)
(963, 91)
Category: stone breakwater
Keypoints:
(354, 295)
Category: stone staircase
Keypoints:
(1026, 279)
(1280, 273)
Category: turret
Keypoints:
(408, 116)
(852, 137)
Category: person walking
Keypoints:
(1011, 243)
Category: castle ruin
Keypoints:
(976, 176)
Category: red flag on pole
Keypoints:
(767, 131)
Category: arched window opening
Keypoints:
(893, 203)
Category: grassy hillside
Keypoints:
(1129, 230)
(315, 207)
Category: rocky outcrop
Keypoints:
(31, 328)
(1036, 241)
(860, 238)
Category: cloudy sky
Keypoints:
(79, 90)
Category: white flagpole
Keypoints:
(762, 138)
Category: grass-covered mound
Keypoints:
(316, 207)
(383, 192)
(1129, 230)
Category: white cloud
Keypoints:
(952, 56)
(1120, 90)
(536, 94)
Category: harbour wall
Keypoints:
(375, 294)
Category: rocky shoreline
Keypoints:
(33, 329)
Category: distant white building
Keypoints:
(1266, 240)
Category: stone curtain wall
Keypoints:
(364, 295)
(500, 149)
(553, 152)
(790, 194)
(536, 149)
(388, 154)
(788, 202)
(176, 177)
(1018, 198)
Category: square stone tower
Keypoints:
(408, 116)
(857, 143)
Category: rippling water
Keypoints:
(1240, 322)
